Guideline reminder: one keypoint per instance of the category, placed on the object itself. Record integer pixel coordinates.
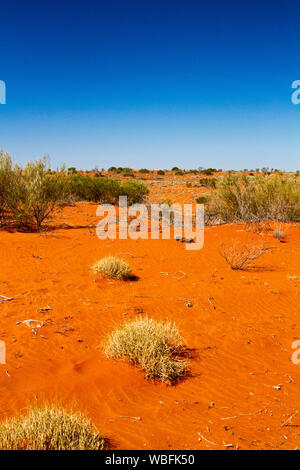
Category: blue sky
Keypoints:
(151, 84)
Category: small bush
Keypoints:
(72, 170)
(36, 195)
(135, 192)
(208, 182)
(50, 428)
(161, 172)
(279, 234)
(155, 346)
(208, 171)
(112, 268)
(144, 170)
(241, 256)
(87, 188)
(202, 200)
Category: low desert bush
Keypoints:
(112, 268)
(86, 188)
(279, 234)
(240, 256)
(202, 200)
(135, 192)
(208, 182)
(37, 195)
(256, 198)
(161, 172)
(28, 197)
(208, 171)
(104, 190)
(155, 346)
(50, 428)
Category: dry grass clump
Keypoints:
(112, 268)
(50, 428)
(155, 346)
(240, 256)
(279, 234)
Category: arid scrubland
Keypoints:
(99, 331)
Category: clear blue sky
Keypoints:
(151, 83)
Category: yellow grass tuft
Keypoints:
(155, 346)
(50, 428)
(112, 267)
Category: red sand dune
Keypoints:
(241, 325)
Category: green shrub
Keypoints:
(208, 182)
(161, 172)
(9, 177)
(87, 188)
(37, 195)
(208, 171)
(135, 192)
(72, 170)
(247, 198)
(202, 200)
(144, 170)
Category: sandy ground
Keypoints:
(241, 325)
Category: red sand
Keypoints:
(241, 324)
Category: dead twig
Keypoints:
(210, 442)
(289, 419)
(137, 418)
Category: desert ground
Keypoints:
(243, 391)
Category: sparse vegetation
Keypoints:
(240, 256)
(112, 268)
(29, 196)
(254, 198)
(155, 346)
(50, 428)
(208, 171)
(208, 182)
